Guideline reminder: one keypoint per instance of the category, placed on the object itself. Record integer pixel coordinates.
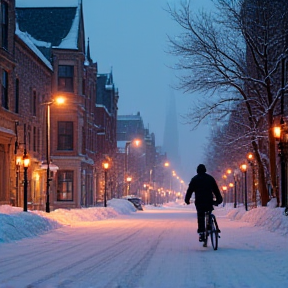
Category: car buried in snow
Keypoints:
(137, 202)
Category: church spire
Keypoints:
(88, 51)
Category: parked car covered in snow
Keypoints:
(137, 202)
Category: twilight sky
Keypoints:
(130, 36)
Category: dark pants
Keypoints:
(201, 220)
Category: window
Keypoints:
(65, 78)
(65, 135)
(17, 96)
(5, 89)
(65, 185)
(4, 24)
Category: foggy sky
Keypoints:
(130, 37)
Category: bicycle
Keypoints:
(211, 229)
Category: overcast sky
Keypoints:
(130, 37)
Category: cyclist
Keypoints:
(204, 186)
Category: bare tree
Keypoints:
(234, 56)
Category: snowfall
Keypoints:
(119, 246)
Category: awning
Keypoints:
(52, 167)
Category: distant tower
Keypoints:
(171, 136)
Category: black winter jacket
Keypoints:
(204, 186)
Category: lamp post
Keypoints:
(58, 100)
(250, 158)
(146, 186)
(236, 179)
(224, 188)
(278, 134)
(18, 165)
(26, 162)
(137, 143)
(106, 167)
(231, 185)
(129, 179)
(243, 168)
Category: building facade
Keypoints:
(44, 56)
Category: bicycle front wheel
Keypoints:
(214, 233)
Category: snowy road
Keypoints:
(150, 249)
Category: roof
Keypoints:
(129, 127)
(56, 25)
(105, 91)
(40, 50)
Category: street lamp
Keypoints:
(58, 100)
(26, 162)
(106, 167)
(166, 164)
(243, 168)
(236, 179)
(18, 165)
(278, 134)
(129, 179)
(224, 188)
(231, 185)
(136, 143)
(251, 161)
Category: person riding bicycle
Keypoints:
(205, 188)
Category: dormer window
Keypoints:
(65, 78)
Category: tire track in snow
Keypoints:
(67, 252)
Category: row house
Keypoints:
(106, 118)
(43, 56)
(144, 163)
(26, 81)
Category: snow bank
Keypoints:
(272, 219)
(16, 224)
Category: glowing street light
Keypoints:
(243, 168)
(26, 162)
(136, 143)
(58, 100)
(106, 167)
(129, 179)
(166, 164)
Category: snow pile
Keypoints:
(16, 224)
(272, 219)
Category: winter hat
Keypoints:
(201, 168)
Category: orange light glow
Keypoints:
(243, 167)
(105, 165)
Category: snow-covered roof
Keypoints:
(56, 25)
(71, 40)
(32, 44)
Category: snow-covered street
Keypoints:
(154, 248)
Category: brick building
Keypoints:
(145, 163)
(8, 107)
(106, 119)
(43, 56)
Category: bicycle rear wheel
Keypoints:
(214, 233)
